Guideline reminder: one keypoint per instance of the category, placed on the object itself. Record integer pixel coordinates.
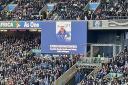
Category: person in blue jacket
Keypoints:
(63, 35)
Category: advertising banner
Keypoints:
(8, 24)
(108, 24)
(30, 24)
(64, 37)
(21, 24)
(57, 36)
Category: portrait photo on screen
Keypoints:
(63, 31)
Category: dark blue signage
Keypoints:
(57, 36)
(64, 37)
(30, 24)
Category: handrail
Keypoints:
(116, 17)
(92, 73)
(63, 79)
(97, 69)
(43, 9)
(71, 71)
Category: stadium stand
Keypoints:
(25, 10)
(70, 10)
(112, 9)
(113, 73)
(20, 67)
(3, 5)
(65, 10)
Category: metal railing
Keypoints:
(62, 80)
(95, 60)
(92, 74)
(116, 17)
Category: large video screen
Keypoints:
(68, 37)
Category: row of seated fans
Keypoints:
(113, 73)
(71, 9)
(64, 10)
(18, 66)
(25, 10)
(4, 3)
(112, 9)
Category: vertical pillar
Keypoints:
(91, 54)
(114, 51)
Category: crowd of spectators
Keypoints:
(5, 2)
(71, 9)
(29, 10)
(3, 5)
(113, 73)
(25, 10)
(112, 9)
(80, 74)
(95, 80)
(64, 10)
(19, 66)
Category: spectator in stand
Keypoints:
(116, 9)
(71, 9)
(117, 66)
(21, 67)
(64, 10)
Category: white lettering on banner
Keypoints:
(63, 48)
(63, 51)
(31, 24)
(26, 24)
(8, 24)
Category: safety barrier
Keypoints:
(62, 80)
